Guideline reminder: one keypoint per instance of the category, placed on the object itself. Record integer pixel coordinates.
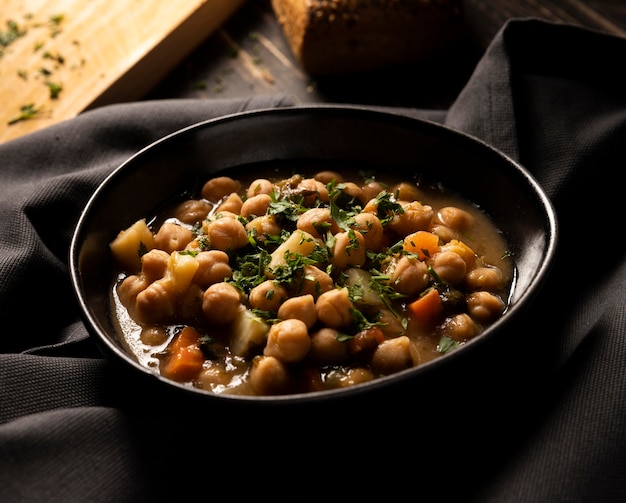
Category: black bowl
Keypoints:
(170, 166)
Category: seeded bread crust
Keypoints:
(339, 36)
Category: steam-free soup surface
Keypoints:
(274, 284)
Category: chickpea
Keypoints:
(130, 287)
(449, 266)
(485, 278)
(268, 296)
(268, 376)
(445, 233)
(260, 186)
(410, 276)
(156, 303)
(153, 335)
(326, 348)
(299, 308)
(352, 191)
(317, 222)
(219, 187)
(348, 250)
(192, 211)
(213, 374)
(256, 205)
(263, 226)
(371, 190)
(328, 176)
(484, 306)
(213, 268)
(416, 217)
(231, 203)
(312, 191)
(391, 324)
(333, 308)
(313, 281)
(463, 250)
(172, 237)
(369, 225)
(460, 328)
(226, 234)
(288, 340)
(455, 218)
(392, 355)
(405, 191)
(345, 377)
(154, 264)
(220, 303)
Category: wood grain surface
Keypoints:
(61, 57)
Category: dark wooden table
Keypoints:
(250, 56)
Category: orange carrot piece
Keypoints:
(427, 309)
(186, 357)
(423, 243)
(188, 336)
(184, 365)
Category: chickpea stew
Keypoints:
(306, 282)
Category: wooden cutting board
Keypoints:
(61, 57)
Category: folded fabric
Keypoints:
(538, 416)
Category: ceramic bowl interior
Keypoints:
(321, 134)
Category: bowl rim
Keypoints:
(120, 355)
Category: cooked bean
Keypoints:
(255, 205)
(172, 237)
(268, 296)
(269, 376)
(416, 217)
(213, 267)
(485, 278)
(264, 226)
(154, 264)
(192, 211)
(153, 335)
(344, 377)
(288, 340)
(226, 234)
(391, 323)
(232, 203)
(371, 190)
(484, 306)
(326, 348)
(328, 176)
(156, 303)
(353, 191)
(220, 303)
(449, 266)
(312, 190)
(260, 186)
(317, 222)
(219, 187)
(455, 218)
(405, 191)
(299, 308)
(392, 355)
(348, 250)
(313, 281)
(444, 232)
(369, 225)
(460, 327)
(130, 287)
(410, 276)
(333, 308)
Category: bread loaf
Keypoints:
(339, 36)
